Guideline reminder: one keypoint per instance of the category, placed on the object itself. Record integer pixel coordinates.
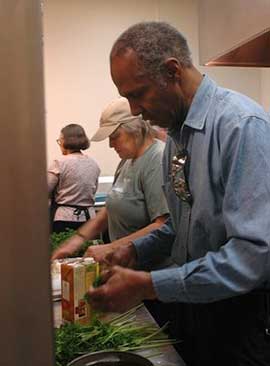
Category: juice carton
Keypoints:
(90, 276)
(76, 278)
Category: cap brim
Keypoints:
(104, 132)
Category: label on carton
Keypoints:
(77, 277)
(65, 290)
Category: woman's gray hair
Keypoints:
(139, 129)
(153, 43)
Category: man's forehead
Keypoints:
(127, 64)
(126, 73)
(128, 55)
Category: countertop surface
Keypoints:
(166, 356)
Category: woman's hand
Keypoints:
(68, 247)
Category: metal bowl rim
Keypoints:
(144, 361)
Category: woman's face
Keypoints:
(124, 144)
(60, 142)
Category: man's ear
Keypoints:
(171, 69)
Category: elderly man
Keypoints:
(216, 172)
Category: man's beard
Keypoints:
(179, 118)
(159, 124)
(173, 122)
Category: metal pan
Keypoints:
(111, 358)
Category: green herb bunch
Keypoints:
(122, 333)
(58, 238)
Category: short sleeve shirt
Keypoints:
(136, 198)
(74, 177)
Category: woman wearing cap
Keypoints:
(72, 180)
(136, 204)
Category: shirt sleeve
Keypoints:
(53, 176)
(242, 264)
(156, 246)
(152, 187)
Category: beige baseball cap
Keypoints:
(115, 114)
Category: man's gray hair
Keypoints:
(153, 43)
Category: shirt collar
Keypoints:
(200, 105)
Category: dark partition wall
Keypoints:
(25, 315)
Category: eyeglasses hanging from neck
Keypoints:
(179, 169)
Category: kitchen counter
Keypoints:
(167, 357)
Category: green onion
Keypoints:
(57, 239)
(122, 333)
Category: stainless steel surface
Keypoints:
(234, 33)
(111, 358)
(166, 356)
(26, 316)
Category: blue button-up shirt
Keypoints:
(220, 244)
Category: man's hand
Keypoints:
(99, 252)
(125, 256)
(123, 289)
(68, 247)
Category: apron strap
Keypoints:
(77, 209)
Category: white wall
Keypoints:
(265, 88)
(78, 35)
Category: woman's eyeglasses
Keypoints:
(58, 141)
(179, 180)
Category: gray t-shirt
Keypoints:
(136, 198)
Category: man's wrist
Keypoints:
(133, 254)
(149, 292)
(132, 247)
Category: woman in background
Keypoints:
(72, 181)
(136, 204)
